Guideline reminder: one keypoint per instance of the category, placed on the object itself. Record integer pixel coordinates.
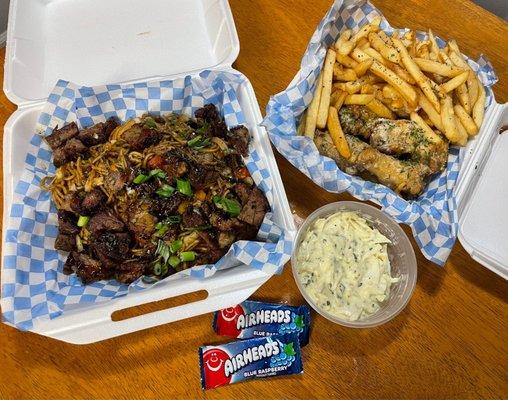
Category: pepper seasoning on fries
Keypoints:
(397, 76)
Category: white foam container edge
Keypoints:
(78, 41)
(482, 190)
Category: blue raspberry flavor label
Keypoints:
(254, 318)
(249, 359)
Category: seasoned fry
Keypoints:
(390, 93)
(343, 37)
(444, 58)
(385, 38)
(449, 124)
(336, 133)
(361, 99)
(403, 74)
(386, 51)
(455, 82)
(380, 109)
(422, 50)
(366, 29)
(429, 133)
(367, 88)
(389, 76)
(466, 120)
(363, 43)
(324, 102)
(363, 67)
(346, 47)
(437, 89)
(312, 112)
(375, 55)
(479, 106)
(340, 100)
(434, 48)
(343, 74)
(472, 87)
(431, 112)
(346, 61)
(417, 74)
(460, 128)
(437, 68)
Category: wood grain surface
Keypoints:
(450, 342)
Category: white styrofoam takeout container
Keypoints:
(482, 190)
(95, 42)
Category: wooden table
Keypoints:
(450, 342)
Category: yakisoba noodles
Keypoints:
(153, 196)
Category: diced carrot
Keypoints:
(200, 195)
(242, 173)
(182, 207)
(156, 161)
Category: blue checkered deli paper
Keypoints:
(432, 216)
(33, 284)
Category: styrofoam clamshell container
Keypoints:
(95, 42)
(482, 192)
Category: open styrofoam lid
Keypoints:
(95, 42)
(484, 223)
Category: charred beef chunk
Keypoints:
(129, 271)
(70, 265)
(238, 138)
(60, 136)
(165, 207)
(233, 161)
(116, 181)
(86, 203)
(193, 218)
(67, 223)
(175, 168)
(105, 221)
(65, 242)
(113, 245)
(106, 262)
(147, 188)
(201, 176)
(140, 137)
(70, 151)
(212, 120)
(246, 232)
(87, 268)
(98, 133)
(243, 192)
(253, 212)
(141, 223)
(93, 200)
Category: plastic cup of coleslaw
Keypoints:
(400, 253)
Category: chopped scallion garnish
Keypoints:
(165, 191)
(184, 187)
(232, 207)
(187, 256)
(83, 220)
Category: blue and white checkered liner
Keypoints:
(33, 284)
(433, 216)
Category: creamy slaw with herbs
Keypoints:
(344, 267)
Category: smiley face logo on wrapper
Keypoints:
(227, 320)
(213, 366)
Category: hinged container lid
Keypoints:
(483, 201)
(95, 42)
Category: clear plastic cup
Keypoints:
(400, 252)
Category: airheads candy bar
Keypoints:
(254, 318)
(249, 359)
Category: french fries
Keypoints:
(336, 133)
(437, 68)
(361, 99)
(312, 111)
(417, 74)
(397, 76)
(324, 102)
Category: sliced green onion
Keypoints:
(161, 230)
(157, 268)
(184, 187)
(165, 191)
(150, 122)
(157, 173)
(194, 141)
(141, 178)
(187, 256)
(174, 261)
(164, 269)
(204, 128)
(176, 245)
(163, 250)
(83, 220)
(232, 207)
